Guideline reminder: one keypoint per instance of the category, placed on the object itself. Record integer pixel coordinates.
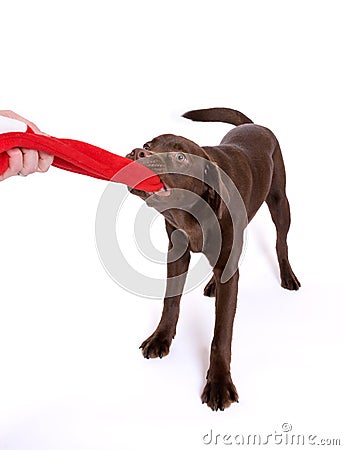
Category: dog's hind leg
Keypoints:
(280, 212)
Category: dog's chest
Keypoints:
(185, 222)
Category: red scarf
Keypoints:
(82, 158)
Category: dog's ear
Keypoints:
(218, 195)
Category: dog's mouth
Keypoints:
(165, 191)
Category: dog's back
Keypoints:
(251, 138)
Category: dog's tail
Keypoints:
(225, 115)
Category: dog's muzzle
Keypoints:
(154, 162)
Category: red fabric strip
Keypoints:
(80, 157)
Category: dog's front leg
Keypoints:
(220, 392)
(158, 344)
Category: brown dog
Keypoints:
(248, 156)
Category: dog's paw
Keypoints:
(210, 289)
(219, 394)
(289, 280)
(156, 346)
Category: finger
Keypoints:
(44, 162)
(10, 114)
(13, 115)
(30, 161)
(15, 163)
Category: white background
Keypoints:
(116, 74)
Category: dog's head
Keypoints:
(185, 170)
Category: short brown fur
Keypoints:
(250, 155)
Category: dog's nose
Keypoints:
(138, 153)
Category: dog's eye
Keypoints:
(146, 146)
(181, 156)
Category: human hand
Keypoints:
(24, 161)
